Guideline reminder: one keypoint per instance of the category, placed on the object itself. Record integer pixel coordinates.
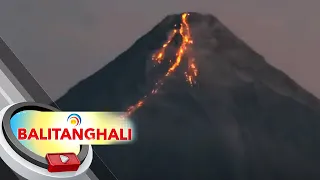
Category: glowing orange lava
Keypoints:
(190, 74)
(158, 56)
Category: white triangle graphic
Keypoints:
(64, 158)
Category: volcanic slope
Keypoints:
(221, 113)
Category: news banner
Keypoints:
(43, 132)
(60, 141)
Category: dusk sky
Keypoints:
(63, 42)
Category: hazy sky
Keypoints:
(78, 37)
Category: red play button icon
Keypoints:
(61, 162)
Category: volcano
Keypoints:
(224, 113)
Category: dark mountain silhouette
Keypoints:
(244, 119)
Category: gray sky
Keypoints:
(51, 35)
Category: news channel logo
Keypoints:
(41, 122)
(36, 120)
(74, 119)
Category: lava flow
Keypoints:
(192, 70)
(158, 57)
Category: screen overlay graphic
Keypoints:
(56, 132)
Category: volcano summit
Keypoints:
(222, 113)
